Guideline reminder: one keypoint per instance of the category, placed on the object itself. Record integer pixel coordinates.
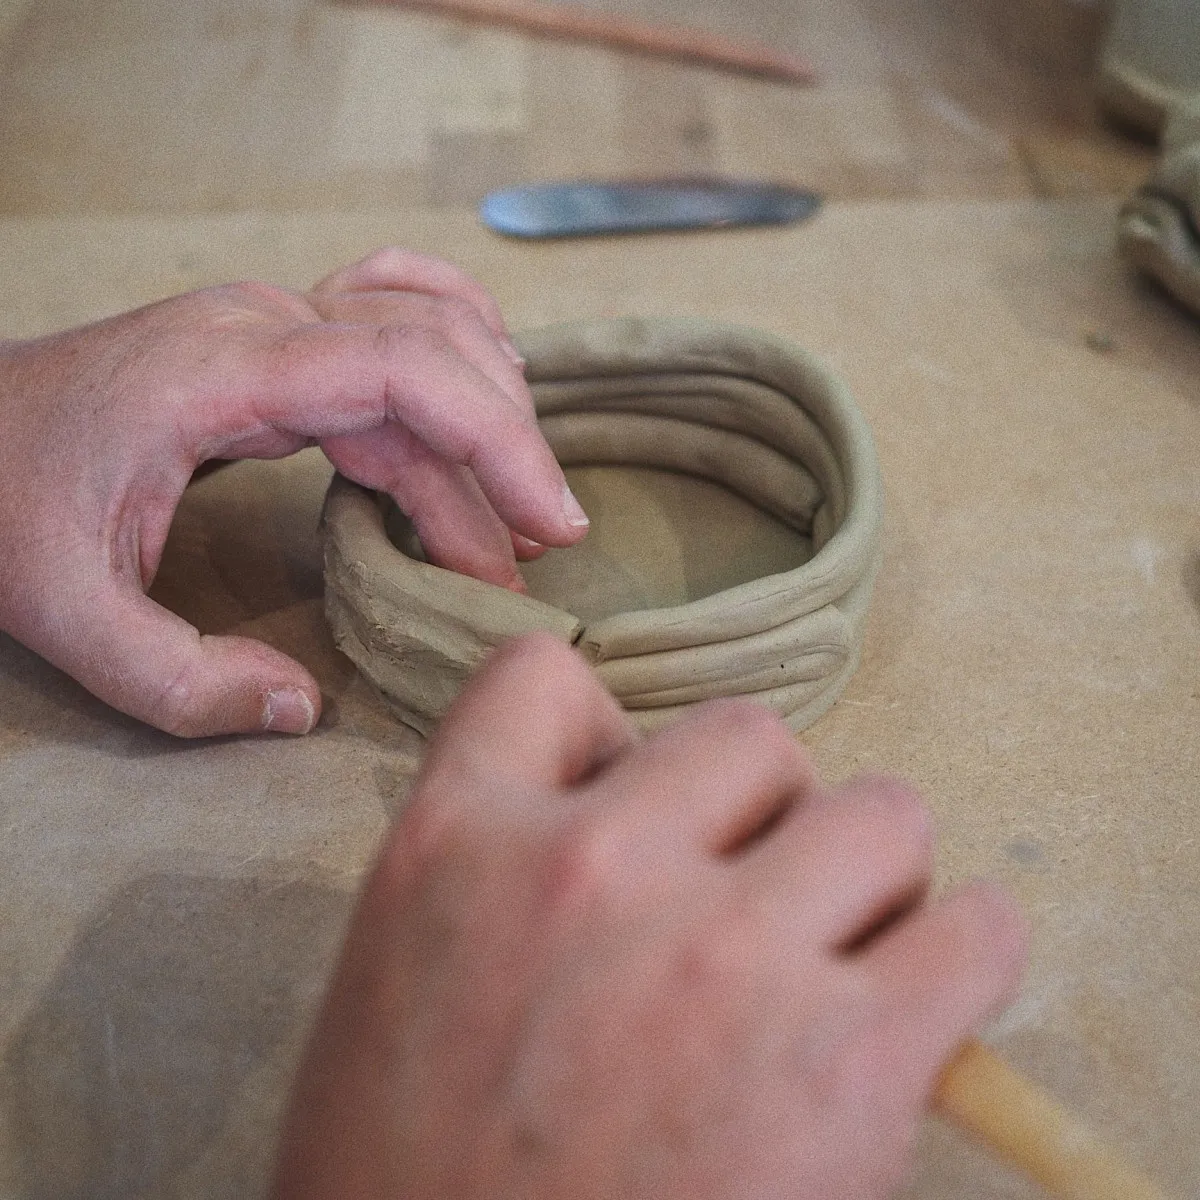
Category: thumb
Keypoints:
(149, 663)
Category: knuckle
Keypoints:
(541, 651)
(242, 301)
(754, 725)
(431, 267)
(900, 810)
(387, 258)
(540, 661)
(718, 963)
(988, 917)
(252, 290)
(434, 830)
(254, 293)
(192, 308)
(405, 343)
(175, 709)
(586, 865)
(458, 316)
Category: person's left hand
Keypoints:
(399, 367)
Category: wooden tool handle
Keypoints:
(626, 33)
(1021, 1123)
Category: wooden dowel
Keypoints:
(1021, 1123)
(626, 33)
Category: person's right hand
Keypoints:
(589, 966)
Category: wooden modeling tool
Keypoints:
(577, 23)
(1021, 1123)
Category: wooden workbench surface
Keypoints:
(171, 909)
(150, 106)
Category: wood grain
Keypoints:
(624, 33)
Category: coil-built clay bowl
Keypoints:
(740, 408)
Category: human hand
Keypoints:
(399, 367)
(588, 966)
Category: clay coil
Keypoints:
(755, 471)
(824, 635)
(737, 407)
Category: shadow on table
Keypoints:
(39, 703)
(182, 994)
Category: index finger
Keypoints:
(329, 381)
(534, 715)
(716, 779)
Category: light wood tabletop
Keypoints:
(212, 106)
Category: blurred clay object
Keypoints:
(1151, 62)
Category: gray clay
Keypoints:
(740, 408)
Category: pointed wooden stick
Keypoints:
(626, 33)
(1021, 1123)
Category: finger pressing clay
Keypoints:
(748, 413)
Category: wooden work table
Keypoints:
(1033, 663)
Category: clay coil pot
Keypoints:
(740, 408)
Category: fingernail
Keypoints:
(572, 509)
(524, 543)
(512, 352)
(288, 711)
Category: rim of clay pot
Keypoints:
(739, 407)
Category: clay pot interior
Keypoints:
(657, 539)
